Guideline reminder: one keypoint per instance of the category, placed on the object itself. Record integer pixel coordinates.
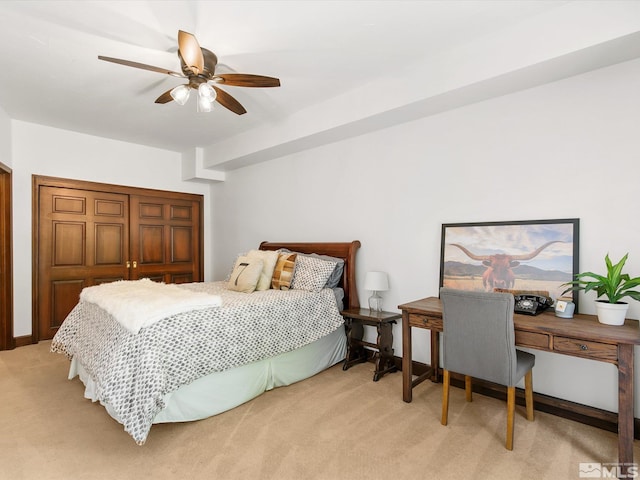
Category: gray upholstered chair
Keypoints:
(479, 342)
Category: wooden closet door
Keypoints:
(83, 240)
(87, 233)
(165, 239)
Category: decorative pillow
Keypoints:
(311, 273)
(269, 260)
(245, 275)
(283, 273)
(233, 266)
(334, 279)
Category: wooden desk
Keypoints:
(582, 336)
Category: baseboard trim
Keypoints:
(24, 341)
(577, 412)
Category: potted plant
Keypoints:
(614, 286)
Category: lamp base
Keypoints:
(375, 302)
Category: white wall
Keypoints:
(564, 150)
(48, 151)
(5, 138)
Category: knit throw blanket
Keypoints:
(136, 304)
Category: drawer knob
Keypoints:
(584, 347)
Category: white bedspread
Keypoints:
(140, 303)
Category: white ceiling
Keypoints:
(322, 51)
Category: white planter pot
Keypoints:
(611, 313)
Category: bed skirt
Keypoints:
(222, 391)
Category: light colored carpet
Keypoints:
(336, 425)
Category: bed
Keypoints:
(197, 363)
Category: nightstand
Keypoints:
(354, 319)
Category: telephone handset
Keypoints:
(531, 304)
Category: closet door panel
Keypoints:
(64, 296)
(165, 239)
(181, 245)
(110, 242)
(83, 240)
(68, 243)
(151, 245)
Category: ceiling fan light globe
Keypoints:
(205, 90)
(204, 104)
(180, 94)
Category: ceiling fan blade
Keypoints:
(227, 101)
(190, 51)
(165, 97)
(140, 65)
(247, 80)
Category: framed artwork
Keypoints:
(532, 256)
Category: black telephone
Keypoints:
(531, 304)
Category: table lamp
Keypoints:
(377, 282)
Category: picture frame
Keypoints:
(524, 256)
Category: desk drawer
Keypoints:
(534, 340)
(583, 348)
(423, 321)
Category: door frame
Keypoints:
(7, 341)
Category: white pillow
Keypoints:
(269, 259)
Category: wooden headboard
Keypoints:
(344, 250)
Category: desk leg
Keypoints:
(435, 355)
(625, 406)
(407, 367)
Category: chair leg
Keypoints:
(468, 389)
(511, 408)
(528, 394)
(445, 397)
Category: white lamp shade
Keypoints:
(377, 281)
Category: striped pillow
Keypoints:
(283, 273)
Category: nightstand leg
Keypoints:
(356, 352)
(385, 362)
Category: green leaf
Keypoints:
(615, 285)
(635, 295)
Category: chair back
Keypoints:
(478, 337)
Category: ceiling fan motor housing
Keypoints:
(210, 62)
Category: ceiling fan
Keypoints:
(198, 66)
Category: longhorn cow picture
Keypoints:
(531, 256)
(499, 272)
